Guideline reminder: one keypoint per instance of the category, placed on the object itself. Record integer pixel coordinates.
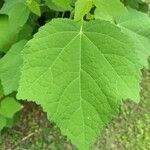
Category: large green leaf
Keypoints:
(10, 66)
(137, 26)
(109, 9)
(81, 79)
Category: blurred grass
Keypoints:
(130, 130)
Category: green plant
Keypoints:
(78, 67)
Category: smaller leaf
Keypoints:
(26, 32)
(1, 90)
(17, 11)
(10, 66)
(136, 25)
(10, 122)
(82, 7)
(13, 15)
(132, 3)
(90, 16)
(34, 7)
(98, 14)
(7, 36)
(1, 3)
(109, 9)
(9, 106)
(2, 122)
(136, 21)
(59, 5)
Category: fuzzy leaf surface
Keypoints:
(81, 79)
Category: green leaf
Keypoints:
(10, 26)
(34, 7)
(132, 3)
(1, 3)
(7, 36)
(17, 11)
(137, 26)
(137, 22)
(80, 80)
(82, 7)
(141, 5)
(10, 122)
(26, 32)
(10, 66)
(59, 5)
(8, 107)
(2, 123)
(1, 90)
(109, 9)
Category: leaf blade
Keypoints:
(79, 80)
